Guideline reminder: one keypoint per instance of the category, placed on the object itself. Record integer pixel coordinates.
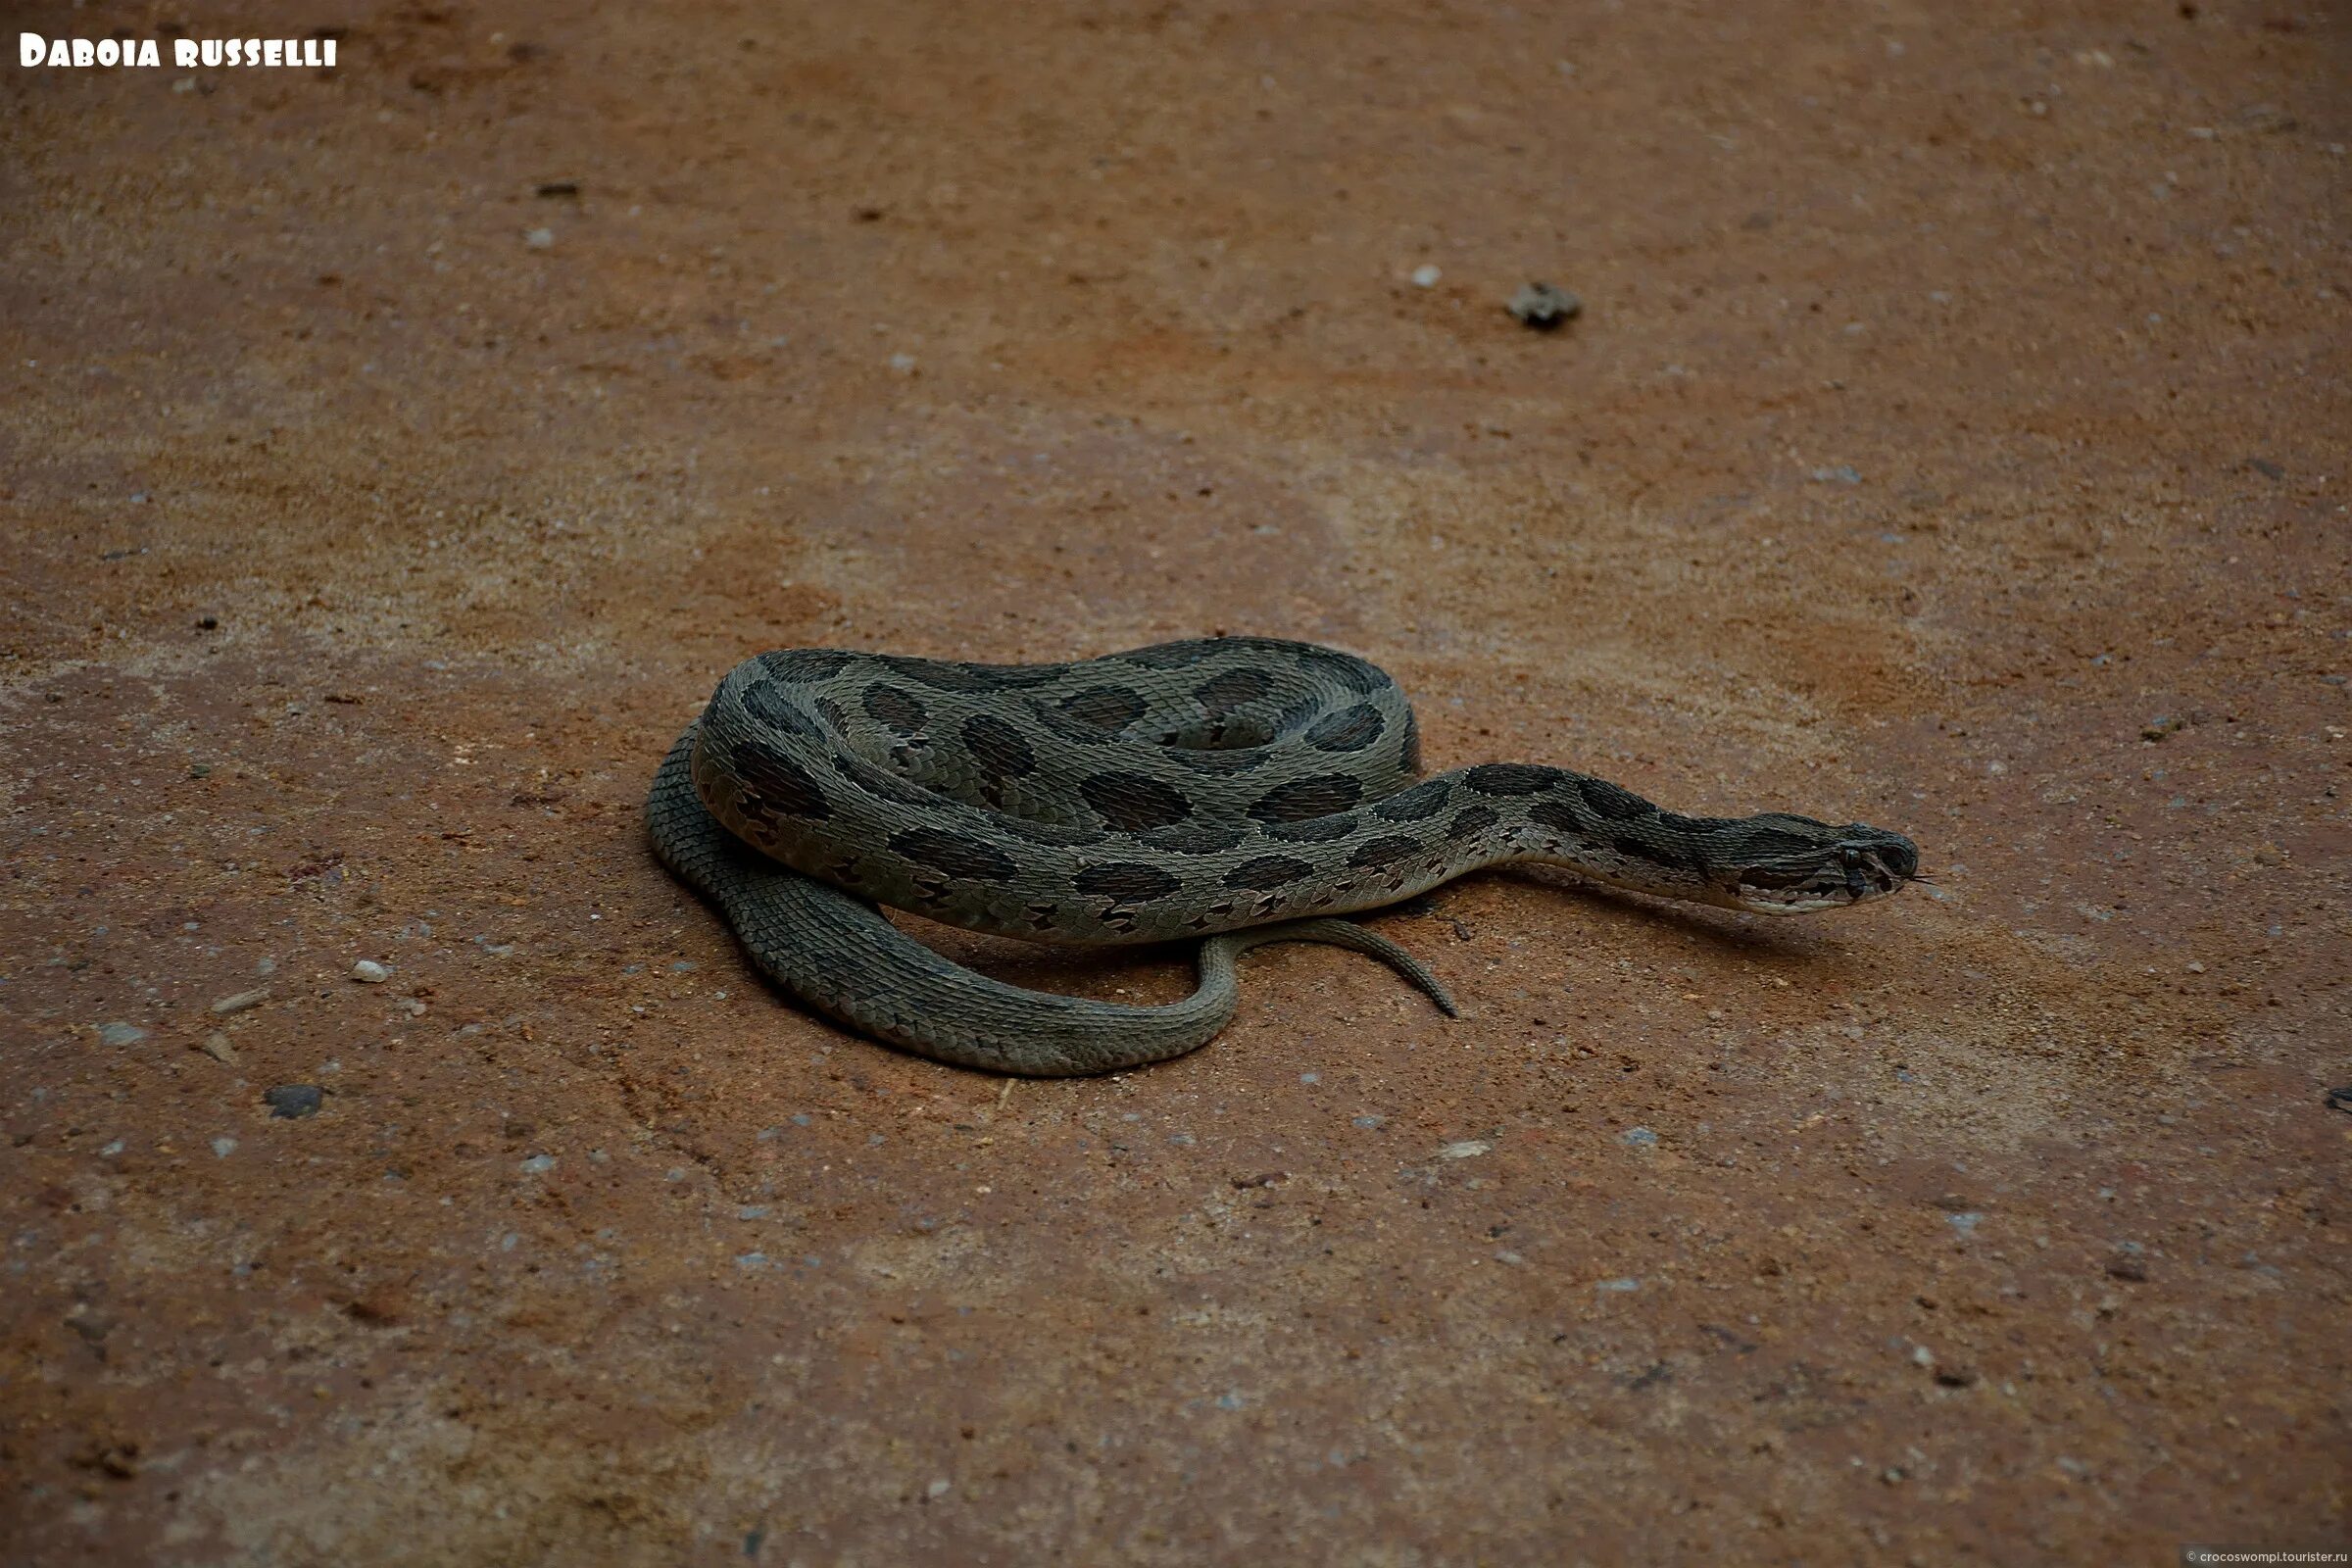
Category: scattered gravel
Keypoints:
(293, 1101)
(370, 972)
(1543, 307)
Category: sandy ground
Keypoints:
(1954, 438)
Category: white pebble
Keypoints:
(370, 972)
(1426, 275)
(223, 1147)
(540, 239)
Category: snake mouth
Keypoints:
(1849, 871)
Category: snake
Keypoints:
(1232, 791)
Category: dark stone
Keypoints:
(293, 1101)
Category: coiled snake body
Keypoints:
(1240, 790)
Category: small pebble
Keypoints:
(239, 1003)
(293, 1101)
(223, 1147)
(1639, 1138)
(200, 770)
(1842, 473)
(121, 1034)
(2341, 1099)
(370, 972)
(540, 239)
(1470, 1149)
(216, 1046)
(538, 1164)
(1543, 307)
(1426, 275)
(2156, 730)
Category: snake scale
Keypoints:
(1236, 791)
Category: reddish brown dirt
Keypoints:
(1953, 438)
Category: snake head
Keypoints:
(1778, 863)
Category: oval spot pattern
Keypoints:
(1177, 655)
(1126, 882)
(777, 783)
(1074, 730)
(1054, 834)
(1558, 815)
(1350, 729)
(953, 854)
(1268, 872)
(766, 702)
(1477, 819)
(1319, 796)
(939, 677)
(1388, 849)
(893, 708)
(1194, 838)
(882, 782)
(1234, 761)
(800, 664)
(1416, 805)
(1131, 802)
(998, 746)
(1104, 707)
(1511, 778)
(1635, 850)
(1353, 673)
(1314, 830)
(1612, 802)
(1222, 694)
